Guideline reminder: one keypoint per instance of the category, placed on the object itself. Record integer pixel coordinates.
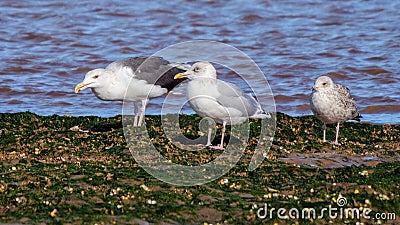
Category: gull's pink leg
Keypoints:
(223, 134)
(221, 146)
(142, 110)
(209, 135)
(209, 138)
(135, 110)
(324, 132)
(337, 135)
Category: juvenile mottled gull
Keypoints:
(332, 104)
(218, 100)
(146, 77)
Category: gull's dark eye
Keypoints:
(196, 69)
(96, 76)
(324, 83)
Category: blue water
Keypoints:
(46, 47)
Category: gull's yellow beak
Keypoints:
(180, 75)
(79, 87)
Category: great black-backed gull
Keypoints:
(135, 79)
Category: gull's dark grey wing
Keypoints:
(154, 70)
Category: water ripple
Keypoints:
(46, 48)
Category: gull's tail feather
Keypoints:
(260, 113)
(358, 117)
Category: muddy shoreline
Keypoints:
(79, 170)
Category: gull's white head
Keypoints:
(94, 78)
(323, 83)
(199, 69)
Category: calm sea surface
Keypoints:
(46, 47)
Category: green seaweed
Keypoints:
(50, 173)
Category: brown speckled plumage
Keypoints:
(332, 103)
